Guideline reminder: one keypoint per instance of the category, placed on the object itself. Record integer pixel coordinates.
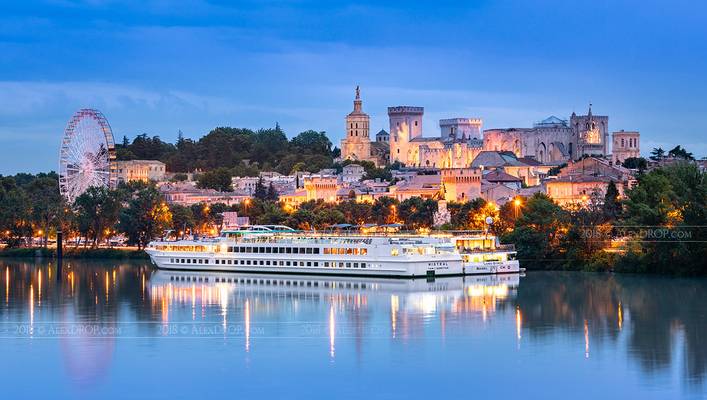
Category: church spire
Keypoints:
(590, 110)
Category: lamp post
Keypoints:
(516, 205)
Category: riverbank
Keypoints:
(73, 253)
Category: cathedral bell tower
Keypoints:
(357, 144)
(591, 133)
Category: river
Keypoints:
(113, 329)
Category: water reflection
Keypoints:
(353, 307)
(83, 312)
(661, 316)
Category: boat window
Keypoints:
(326, 263)
(309, 250)
(295, 250)
(348, 265)
(302, 250)
(327, 250)
(363, 252)
(289, 250)
(229, 262)
(309, 263)
(394, 251)
(355, 265)
(262, 262)
(248, 262)
(248, 249)
(288, 263)
(316, 264)
(268, 249)
(301, 263)
(316, 250)
(349, 251)
(256, 250)
(363, 265)
(262, 250)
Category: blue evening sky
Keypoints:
(156, 66)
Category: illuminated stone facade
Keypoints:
(457, 146)
(461, 184)
(625, 145)
(140, 170)
(553, 140)
(357, 144)
(321, 187)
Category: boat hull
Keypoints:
(439, 266)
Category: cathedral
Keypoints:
(357, 144)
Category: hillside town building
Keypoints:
(625, 145)
(140, 170)
(357, 144)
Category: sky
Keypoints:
(157, 67)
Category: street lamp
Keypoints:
(516, 204)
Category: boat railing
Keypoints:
(502, 247)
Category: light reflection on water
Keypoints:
(102, 328)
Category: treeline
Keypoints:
(660, 227)
(31, 207)
(243, 152)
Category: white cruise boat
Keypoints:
(275, 249)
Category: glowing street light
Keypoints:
(516, 204)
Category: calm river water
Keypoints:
(122, 330)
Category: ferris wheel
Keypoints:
(87, 154)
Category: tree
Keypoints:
(416, 212)
(638, 163)
(182, 219)
(260, 193)
(554, 171)
(97, 210)
(384, 210)
(272, 193)
(612, 205)
(146, 217)
(180, 177)
(670, 204)
(657, 154)
(538, 231)
(312, 142)
(469, 215)
(218, 179)
(679, 152)
(15, 215)
(46, 203)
